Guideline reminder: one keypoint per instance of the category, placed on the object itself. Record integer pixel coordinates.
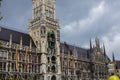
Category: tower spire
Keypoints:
(104, 50)
(10, 42)
(21, 41)
(75, 51)
(113, 57)
(30, 45)
(97, 42)
(90, 45)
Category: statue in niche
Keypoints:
(51, 41)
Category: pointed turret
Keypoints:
(63, 49)
(21, 43)
(63, 61)
(97, 42)
(30, 45)
(104, 50)
(10, 41)
(66, 46)
(113, 57)
(90, 45)
(75, 54)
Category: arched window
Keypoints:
(53, 77)
(36, 43)
(43, 30)
(53, 69)
(48, 69)
(48, 59)
(53, 59)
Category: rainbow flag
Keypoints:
(17, 57)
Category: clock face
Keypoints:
(51, 40)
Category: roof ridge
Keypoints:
(13, 29)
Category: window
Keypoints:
(53, 77)
(34, 33)
(9, 66)
(48, 59)
(53, 59)
(36, 43)
(43, 30)
(53, 69)
(47, 14)
(13, 56)
(0, 65)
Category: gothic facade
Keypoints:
(84, 64)
(39, 55)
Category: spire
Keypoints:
(66, 46)
(10, 41)
(38, 46)
(97, 42)
(113, 57)
(30, 45)
(90, 45)
(75, 51)
(63, 62)
(63, 49)
(68, 61)
(21, 43)
(104, 50)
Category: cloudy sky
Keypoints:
(80, 20)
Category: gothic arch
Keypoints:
(53, 59)
(43, 30)
(53, 77)
(53, 68)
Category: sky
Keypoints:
(80, 21)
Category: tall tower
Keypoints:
(45, 32)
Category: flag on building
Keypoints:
(68, 62)
(63, 62)
(17, 57)
(73, 64)
(26, 58)
(35, 59)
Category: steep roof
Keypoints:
(80, 51)
(16, 36)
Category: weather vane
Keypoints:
(0, 8)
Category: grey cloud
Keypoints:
(17, 12)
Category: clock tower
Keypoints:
(45, 32)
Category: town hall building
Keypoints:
(39, 54)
